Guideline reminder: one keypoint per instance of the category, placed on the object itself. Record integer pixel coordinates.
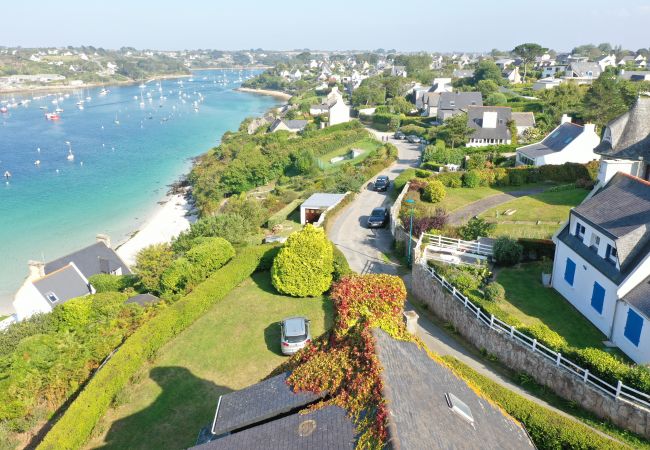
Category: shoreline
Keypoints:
(172, 216)
(67, 87)
(277, 94)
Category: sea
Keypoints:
(127, 145)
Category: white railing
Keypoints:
(618, 391)
(459, 245)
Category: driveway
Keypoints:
(365, 248)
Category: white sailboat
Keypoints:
(70, 156)
(116, 121)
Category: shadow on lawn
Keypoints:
(185, 405)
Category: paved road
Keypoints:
(363, 247)
(364, 250)
(462, 215)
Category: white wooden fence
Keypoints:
(618, 391)
(459, 245)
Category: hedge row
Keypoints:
(74, 427)
(547, 429)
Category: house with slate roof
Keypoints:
(452, 103)
(602, 263)
(583, 71)
(625, 146)
(568, 142)
(490, 124)
(55, 282)
(293, 126)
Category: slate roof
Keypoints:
(91, 260)
(475, 121)
(581, 68)
(523, 119)
(257, 403)
(639, 297)
(459, 101)
(143, 299)
(317, 201)
(419, 416)
(291, 124)
(556, 141)
(325, 428)
(621, 211)
(66, 283)
(635, 75)
(628, 136)
(459, 73)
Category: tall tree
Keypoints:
(604, 100)
(488, 70)
(455, 130)
(528, 52)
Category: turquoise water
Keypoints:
(119, 171)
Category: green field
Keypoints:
(367, 145)
(551, 208)
(232, 346)
(532, 303)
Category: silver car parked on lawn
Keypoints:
(295, 334)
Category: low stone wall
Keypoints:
(517, 357)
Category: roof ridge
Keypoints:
(635, 178)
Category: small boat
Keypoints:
(42, 107)
(70, 156)
(142, 86)
(4, 110)
(37, 162)
(116, 121)
(80, 107)
(52, 116)
(58, 110)
(7, 174)
(103, 92)
(89, 98)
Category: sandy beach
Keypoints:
(277, 94)
(167, 222)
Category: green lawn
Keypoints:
(551, 208)
(367, 145)
(232, 346)
(532, 303)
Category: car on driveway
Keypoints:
(413, 139)
(382, 183)
(378, 218)
(399, 135)
(294, 334)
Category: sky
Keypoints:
(405, 25)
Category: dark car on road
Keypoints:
(378, 218)
(399, 135)
(381, 183)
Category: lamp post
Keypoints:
(411, 203)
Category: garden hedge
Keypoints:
(547, 429)
(72, 430)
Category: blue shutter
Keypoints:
(569, 271)
(633, 327)
(598, 297)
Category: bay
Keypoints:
(125, 156)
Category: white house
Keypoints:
(334, 106)
(626, 143)
(512, 75)
(293, 126)
(566, 143)
(398, 71)
(504, 63)
(607, 61)
(490, 124)
(551, 71)
(602, 263)
(53, 283)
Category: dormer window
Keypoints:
(580, 230)
(611, 254)
(595, 242)
(51, 296)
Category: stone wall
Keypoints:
(518, 357)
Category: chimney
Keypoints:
(105, 239)
(565, 119)
(36, 270)
(490, 119)
(589, 128)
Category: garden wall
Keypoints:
(514, 355)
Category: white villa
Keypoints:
(334, 107)
(602, 255)
(566, 143)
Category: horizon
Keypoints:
(162, 26)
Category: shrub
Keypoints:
(103, 282)
(494, 292)
(507, 251)
(546, 336)
(476, 227)
(74, 427)
(450, 179)
(304, 265)
(434, 192)
(209, 254)
(424, 224)
(179, 278)
(233, 227)
(516, 177)
(471, 179)
(150, 263)
(434, 167)
(464, 281)
(340, 264)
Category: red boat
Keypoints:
(52, 116)
(4, 110)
